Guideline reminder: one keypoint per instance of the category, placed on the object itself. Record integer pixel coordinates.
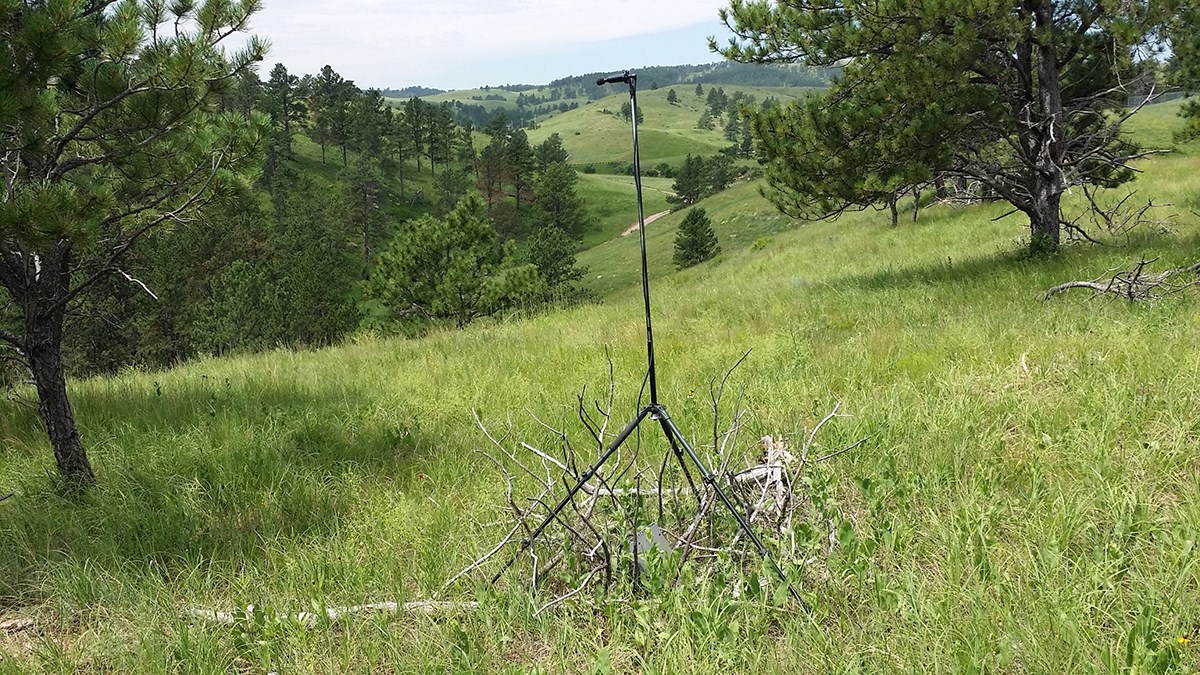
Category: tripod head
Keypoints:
(624, 77)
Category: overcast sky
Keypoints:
(457, 44)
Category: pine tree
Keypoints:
(448, 268)
(552, 252)
(415, 113)
(440, 131)
(1184, 32)
(518, 175)
(364, 196)
(627, 113)
(466, 154)
(1016, 95)
(328, 99)
(369, 119)
(449, 188)
(551, 151)
(672, 97)
(108, 130)
(695, 240)
(558, 204)
(283, 102)
(690, 182)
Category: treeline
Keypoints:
(409, 92)
(754, 75)
(398, 223)
(523, 115)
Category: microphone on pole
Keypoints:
(624, 77)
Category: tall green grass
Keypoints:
(1027, 501)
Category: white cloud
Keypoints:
(380, 43)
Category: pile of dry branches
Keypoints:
(1116, 220)
(1136, 285)
(642, 503)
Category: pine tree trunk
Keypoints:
(1044, 139)
(55, 408)
(1044, 229)
(43, 337)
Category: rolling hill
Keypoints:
(1026, 501)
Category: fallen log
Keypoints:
(310, 619)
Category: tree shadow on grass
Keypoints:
(987, 268)
(205, 473)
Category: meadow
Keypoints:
(1027, 501)
(596, 134)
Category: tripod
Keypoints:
(655, 410)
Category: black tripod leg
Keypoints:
(710, 479)
(583, 478)
(679, 455)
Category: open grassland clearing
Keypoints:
(596, 133)
(1027, 502)
(611, 200)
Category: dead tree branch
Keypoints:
(607, 526)
(1136, 285)
(311, 619)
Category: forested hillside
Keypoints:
(348, 186)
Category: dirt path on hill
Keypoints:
(649, 219)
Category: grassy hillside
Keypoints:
(596, 134)
(612, 201)
(1027, 501)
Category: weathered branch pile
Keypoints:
(1119, 219)
(645, 504)
(1136, 285)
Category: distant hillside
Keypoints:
(744, 74)
(409, 92)
(525, 104)
(596, 136)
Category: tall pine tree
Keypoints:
(1018, 95)
(109, 128)
(695, 240)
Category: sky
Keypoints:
(460, 44)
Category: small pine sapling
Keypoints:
(695, 240)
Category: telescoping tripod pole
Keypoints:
(655, 410)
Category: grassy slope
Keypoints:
(1027, 494)
(612, 201)
(668, 133)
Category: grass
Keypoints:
(1027, 501)
(595, 133)
(612, 201)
